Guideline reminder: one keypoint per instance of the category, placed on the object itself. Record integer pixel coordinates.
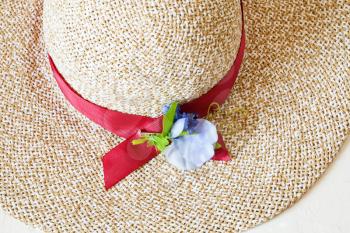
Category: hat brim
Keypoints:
(284, 123)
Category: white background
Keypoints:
(324, 209)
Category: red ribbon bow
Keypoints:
(126, 157)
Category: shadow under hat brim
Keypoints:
(284, 123)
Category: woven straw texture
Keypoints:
(284, 123)
(137, 56)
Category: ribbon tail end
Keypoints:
(124, 159)
(106, 177)
(222, 153)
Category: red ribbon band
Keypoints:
(125, 157)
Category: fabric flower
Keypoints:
(191, 151)
(190, 118)
(187, 141)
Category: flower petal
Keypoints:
(177, 128)
(200, 155)
(206, 130)
(173, 156)
(189, 152)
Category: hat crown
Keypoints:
(136, 56)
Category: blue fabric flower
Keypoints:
(191, 151)
(192, 140)
(190, 118)
(190, 121)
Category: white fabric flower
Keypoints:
(191, 151)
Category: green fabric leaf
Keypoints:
(184, 133)
(139, 141)
(217, 146)
(168, 119)
(159, 141)
(156, 140)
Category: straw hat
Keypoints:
(283, 123)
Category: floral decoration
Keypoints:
(186, 140)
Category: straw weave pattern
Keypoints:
(284, 123)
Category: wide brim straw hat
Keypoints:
(283, 123)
